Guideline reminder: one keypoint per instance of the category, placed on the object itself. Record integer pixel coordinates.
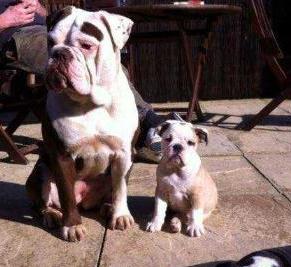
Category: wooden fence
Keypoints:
(233, 68)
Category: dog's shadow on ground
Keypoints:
(15, 206)
(141, 208)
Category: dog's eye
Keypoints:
(191, 143)
(169, 139)
(86, 46)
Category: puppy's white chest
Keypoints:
(176, 192)
(177, 198)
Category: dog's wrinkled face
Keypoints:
(84, 51)
(180, 141)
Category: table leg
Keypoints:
(195, 73)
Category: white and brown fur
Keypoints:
(183, 184)
(90, 125)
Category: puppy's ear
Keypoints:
(162, 128)
(202, 134)
(119, 27)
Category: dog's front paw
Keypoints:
(52, 218)
(74, 233)
(195, 229)
(121, 222)
(154, 226)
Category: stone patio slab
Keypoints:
(286, 106)
(232, 175)
(251, 213)
(218, 145)
(276, 167)
(241, 223)
(236, 176)
(229, 113)
(259, 141)
(24, 242)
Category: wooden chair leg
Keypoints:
(17, 121)
(198, 111)
(265, 111)
(11, 148)
(39, 111)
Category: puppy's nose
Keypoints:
(177, 148)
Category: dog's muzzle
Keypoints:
(57, 72)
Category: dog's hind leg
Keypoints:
(52, 217)
(34, 185)
(43, 194)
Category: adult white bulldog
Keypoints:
(91, 123)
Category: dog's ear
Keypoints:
(119, 27)
(55, 17)
(162, 128)
(202, 134)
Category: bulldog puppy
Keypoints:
(90, 125)
(183, 184)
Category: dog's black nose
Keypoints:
(177, 148)
(62, 55)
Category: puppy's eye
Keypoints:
(86, 46)
(168, 139)
(191, 143)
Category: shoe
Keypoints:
(152, 151)
(174, 116)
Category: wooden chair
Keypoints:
(273, 57)
(22, 105)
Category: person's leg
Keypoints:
(27, 49)
(149, 142)
(26, 52)
(147, 117)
